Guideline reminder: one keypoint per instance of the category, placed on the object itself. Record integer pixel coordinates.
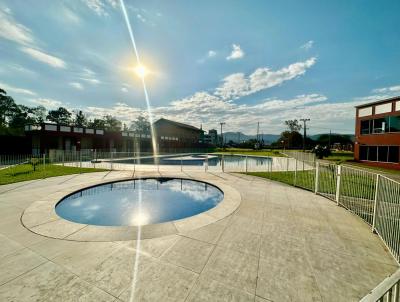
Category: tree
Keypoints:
(21, 116)
(140, 125)
(7, 108)
(80, 119)
(38, 114)
(97, 123)
(111, 123)
(291, 139)
(293, 125)
(60, 116)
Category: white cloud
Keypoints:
(391, 89)
(237, 53)
(44, 57)
(238, 85)
(100, 6)
(308, 45)
(91, 80)
(97, 6)
(211, 53)
(71, 16)
(12, 30)
(47, 103)
(124, 89)
(76, 85)
(9, 88)
(141, 18)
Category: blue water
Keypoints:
(199, 160)
(139, 202)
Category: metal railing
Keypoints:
(387, 291)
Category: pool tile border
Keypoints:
(41, 218)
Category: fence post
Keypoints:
(246, 164)
(95, 158)
(339, 172)
(223, 163)
(295, 172)
(80, 159)
(316, 177)
(111, 160)
(375, 202)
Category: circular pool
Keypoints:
(139, 202)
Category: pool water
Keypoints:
(139, 202)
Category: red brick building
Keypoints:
(378, 133)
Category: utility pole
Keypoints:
(304, 120)
(330, 133)
(258, 129)
(222, 137)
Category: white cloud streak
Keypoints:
(391, 89)
(76, 85)
(12, 30)
(44, 57)
(238, 85)
(47, 103)
(9, 88)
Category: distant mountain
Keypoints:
(235, 136)
(271, 138)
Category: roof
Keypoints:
(181, 125)
(379, 102)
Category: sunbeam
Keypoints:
(142, 76)
(141, 71)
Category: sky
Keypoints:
(238, 62)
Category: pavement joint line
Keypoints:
(22, 185)
(5, 283)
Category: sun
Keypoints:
(141, 71)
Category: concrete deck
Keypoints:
(281, 244)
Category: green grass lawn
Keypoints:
(353, 185)
(263, 152)
(25, 172)
(340, 156)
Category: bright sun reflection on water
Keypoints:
(140, 219)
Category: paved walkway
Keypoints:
(282, 244)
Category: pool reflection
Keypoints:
(117, 204)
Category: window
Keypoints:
(393, 154)
(372, 153)
(394, 124)
(381, 125)
(380, 153)
(363, 152)
(365, 127)
(365, 111)
(383, 153)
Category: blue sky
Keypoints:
(209, 61)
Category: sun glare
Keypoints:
(141, 71)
